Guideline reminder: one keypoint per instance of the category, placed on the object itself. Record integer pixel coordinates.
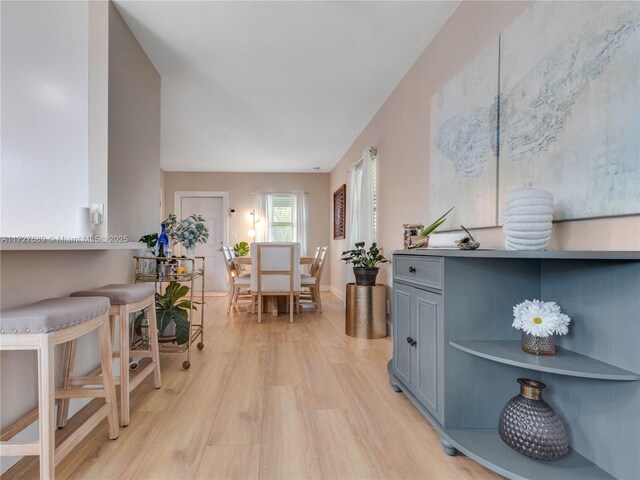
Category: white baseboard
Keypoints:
(337, 292)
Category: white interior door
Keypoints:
(212, 210)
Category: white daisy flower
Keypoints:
(540, 319)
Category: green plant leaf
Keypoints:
(241, 249)
(427, 230)
(150, 239)
(183, 329)
(164, 318)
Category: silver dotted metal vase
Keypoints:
(529, 425)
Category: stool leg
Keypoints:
(106, 359)
(68, 364)
(123, 314)
(155, 349)
(46, 404)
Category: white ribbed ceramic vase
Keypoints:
(526, 219)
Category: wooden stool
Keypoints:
(40, 327)
(125, 299)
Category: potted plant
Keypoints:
(540, 322)
(422, 239)
(189, 231)
(172, 312)
(150, 239)
(365, 263)
(241, 249)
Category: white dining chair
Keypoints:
(275, 271)
(239, 285)
(312, 280)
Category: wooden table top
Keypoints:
(247, 260)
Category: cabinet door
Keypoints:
(428, 313)
(402, 320)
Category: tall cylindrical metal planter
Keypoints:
(366, 315)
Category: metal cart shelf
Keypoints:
(195, 269)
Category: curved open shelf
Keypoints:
(565, 362)
(485, 447)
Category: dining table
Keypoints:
(247, 260)
(273, 303)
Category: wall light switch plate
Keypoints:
(97, 213)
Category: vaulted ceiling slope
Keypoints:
(275, 86)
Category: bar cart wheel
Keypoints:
(200, 346)
(186, 364)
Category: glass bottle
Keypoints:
(163, 247)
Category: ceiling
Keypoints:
(275, 86)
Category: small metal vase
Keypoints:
(539, 345)
(530, 426)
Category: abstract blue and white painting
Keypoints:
(570, 106)
(463, 165)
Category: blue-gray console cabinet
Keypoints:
(457, 358)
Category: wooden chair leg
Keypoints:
(291, 307)
(318, 298)
(46, 405)
(236, 294)
(123, 314)
(68, 364)
(230, 303)
(259, 306)
(106, 359)
(155, 348)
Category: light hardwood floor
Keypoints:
(275, 400)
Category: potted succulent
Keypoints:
(365, 263)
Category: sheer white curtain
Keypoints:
(359, 206)
(300, 220)
(264, 211)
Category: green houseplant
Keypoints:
(365, 262)
(241, 249)
(150, 239)
(172, 307)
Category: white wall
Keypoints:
(44, 150)
(134, 134)
(27, 277)
(400, 131)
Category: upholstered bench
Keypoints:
(40, 327)
(125, 299)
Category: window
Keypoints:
(356, 197)
(282, 217)
(282, 224)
